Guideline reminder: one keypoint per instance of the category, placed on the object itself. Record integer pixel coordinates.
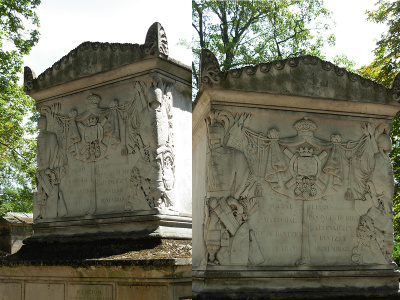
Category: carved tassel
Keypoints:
(258, 191)
(349, 196)
(124, 150)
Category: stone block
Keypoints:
(142, 292)
(10, 290)
(292, 173)
(97, 280)
(112, 148)
(44, 290)
(90, 292)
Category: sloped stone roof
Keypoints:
(307, 76)
(18, 217)
(93, 57)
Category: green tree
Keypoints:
(248, 32)
(343, 62)
(18, 34)
(386, 63)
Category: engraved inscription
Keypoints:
(89, 292)
(315, 195)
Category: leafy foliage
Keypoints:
(387, 53)
(17, 146)
(249, 32)
(343, 62)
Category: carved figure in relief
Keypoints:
(228, 236)
(375, 233)
(141, 127)
(51, 168)
(304, 167)
(140, 187)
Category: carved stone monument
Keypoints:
(113, 167)
(292, 174)
(112, 148)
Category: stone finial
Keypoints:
(396, 88)
(156, 40)
(210, 71)
(29, 77)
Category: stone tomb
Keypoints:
(292, 174)
(112, 211)
(112, 149)
(14, 228)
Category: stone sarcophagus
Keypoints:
(112, 148)
(292, 175)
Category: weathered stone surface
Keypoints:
(112, 149)
(169, 280)
(307, 76)
(14, 228)
(112, 210)
(291, 175)
(91, 58)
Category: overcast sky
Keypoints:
(67, 24)
(355, 37)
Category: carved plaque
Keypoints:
(90, 292)
(106, 153)
(301, 191)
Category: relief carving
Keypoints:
(141, 130)
(375, 234)
(375, 231)
(51, 161)
(209, 68)
(228, 235)
(157, 162)
(95, 133)
(156, 40)
(396, 88)
(302, 167)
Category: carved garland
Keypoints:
(296, 176)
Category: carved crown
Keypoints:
(305, 125)
(93, 99)
(305, 152)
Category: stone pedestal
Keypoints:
(292, 174)
(113, 165)
(105, 280)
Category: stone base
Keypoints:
(154, 223)
(101, 280)
(283, 283)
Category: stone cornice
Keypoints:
(94, 57)
(307, 76)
